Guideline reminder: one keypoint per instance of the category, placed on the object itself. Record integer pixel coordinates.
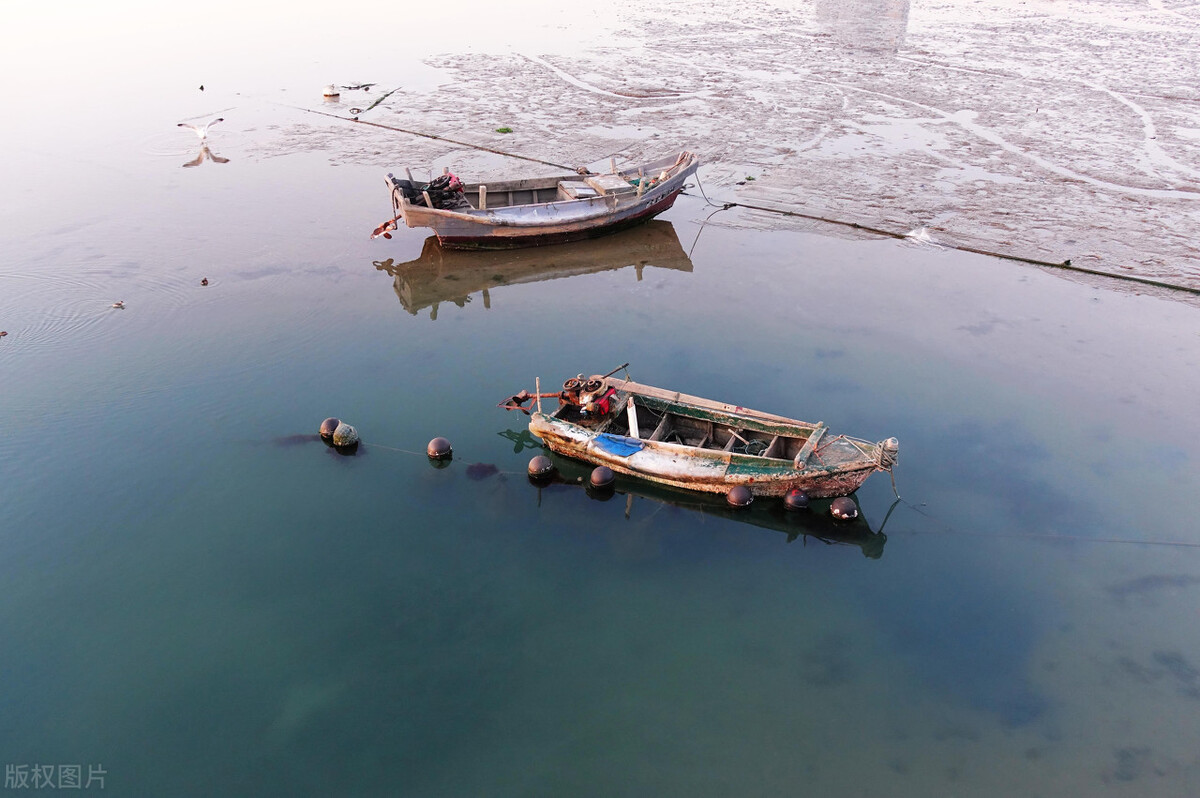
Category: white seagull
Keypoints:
(201, 130)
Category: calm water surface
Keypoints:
(200, 598)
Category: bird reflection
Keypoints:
(521, 439)
(206, 155)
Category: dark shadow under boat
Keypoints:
(446, 275)
(814, 525)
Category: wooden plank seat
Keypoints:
(807, 449)
(575, 189)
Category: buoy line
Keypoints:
(1066, 264)
(543, 474)
(426, 456)
(390, 448)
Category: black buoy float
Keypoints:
(844, 509)
(345, 436)
(541, 468)
(328, 426)
(795, 499)
(439, 449)
(602, 477)
(739, 496)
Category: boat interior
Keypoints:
(548, 189)
(510, 193)
(671, 427)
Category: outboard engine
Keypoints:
(593, 396)
(409, 189)
(445, 192)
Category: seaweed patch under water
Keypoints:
(481, 470)
(1145, 585)
(1177, 666)
(1131, 764)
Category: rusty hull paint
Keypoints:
(501, 239)
(706, 470)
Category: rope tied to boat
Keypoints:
(1065, 264)
(889, 450)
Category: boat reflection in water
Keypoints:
(445, 275)
(812, 525)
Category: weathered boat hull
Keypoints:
(837, 467)
(494, 238)
(679, 467)
(540, 211)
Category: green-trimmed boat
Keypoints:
(683, 441)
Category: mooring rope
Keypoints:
(1066, 264)
(392, 448)
(939, 526)
(426, 454)
(480, 147)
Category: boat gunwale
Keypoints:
(781, 464)
(738, 418)
(776, 477)
(606, 204)
(689, 466)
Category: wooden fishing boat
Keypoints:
(537, 211)
(688, 442)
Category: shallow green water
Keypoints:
(205, 600)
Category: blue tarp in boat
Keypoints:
(618, 445)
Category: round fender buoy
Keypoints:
(345, 435)
(795, 499)
(439, 449)
(602, 477)
(739, 496)
(844, 509)
(541, 468)
(328, 426)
